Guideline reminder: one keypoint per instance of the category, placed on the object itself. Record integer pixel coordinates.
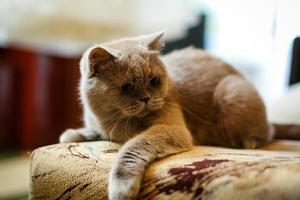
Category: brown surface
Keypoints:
(8, 103)
(37, 96)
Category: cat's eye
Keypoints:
(155, 81)
(126, 88)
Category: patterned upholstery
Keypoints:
(80, 171)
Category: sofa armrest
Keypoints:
(80, 171)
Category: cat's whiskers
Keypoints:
(136, 108)
(111, 126)
(195, 115)
(116, 124)
(117, 118)
(126, 124)
(114, 117)
(115, 121)
(127, 128)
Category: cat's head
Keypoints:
(126, 76)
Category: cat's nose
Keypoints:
(145, 99)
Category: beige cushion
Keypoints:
(80, 171)
(287, 108)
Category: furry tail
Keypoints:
(286, 131)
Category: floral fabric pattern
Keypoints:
(80, 171)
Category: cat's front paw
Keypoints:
(71, 135)
(123, 188)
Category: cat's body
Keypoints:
(159, 106)
(194, 74)
(220, 106)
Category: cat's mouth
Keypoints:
(141, 109)
(143, 113)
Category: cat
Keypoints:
(162, 105)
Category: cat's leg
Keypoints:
(78, 135)
(241, 120)
(156, 142)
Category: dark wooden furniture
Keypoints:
(38, 97)
(194, 37)
(295, 62)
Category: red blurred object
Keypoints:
(38, 97)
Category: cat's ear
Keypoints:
(154, 41)
(99, 59)
(100, 55)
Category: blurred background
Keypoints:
(41, 43)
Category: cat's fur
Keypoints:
(197, 99)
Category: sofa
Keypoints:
(80, 170)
